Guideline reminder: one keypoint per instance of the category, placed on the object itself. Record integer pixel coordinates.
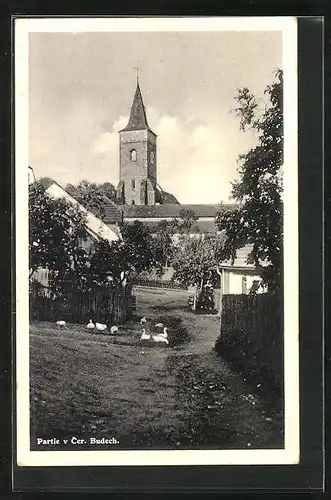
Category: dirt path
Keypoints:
(186, 396)
(218, 407)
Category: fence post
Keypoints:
(221, 275)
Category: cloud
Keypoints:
(107, 142)
(196, 161)
(79, 89)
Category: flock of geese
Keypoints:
(160, 335)
(101, 327)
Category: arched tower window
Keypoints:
(133, 155)
(133, 184)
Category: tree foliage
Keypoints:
(122, 261)
(196, 259)
(182, 225)
(92, 195)
(55, 229)
(258, 219)
(163, 246)
(187, 220)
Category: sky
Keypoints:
(81, 87)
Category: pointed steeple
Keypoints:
(137, 120)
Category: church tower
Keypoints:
(138, 174)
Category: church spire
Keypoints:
(137, 120)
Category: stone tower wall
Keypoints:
(132, 173)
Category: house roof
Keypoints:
(46, 182)
(112, 212)
(241, 258)
(171, 210)
(240, 262)
(138, 119)
(94, 225)
(115, 229)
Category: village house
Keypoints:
(240, 276)
(96, 228)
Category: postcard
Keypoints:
(156, 187)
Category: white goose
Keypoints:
(61, 323)
(90, 325)
(114, 329)
(100, 326)
(165, 333)
(161, 330)
(160, 339)
(145, 336)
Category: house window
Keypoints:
(133, 184)
(133, 155)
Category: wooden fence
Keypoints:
(252, 334)
(75, 302)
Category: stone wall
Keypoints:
(143, 168)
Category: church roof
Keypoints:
(200, 226)
(164, 197)
(171, 210)
(169, 198)
(138, 119)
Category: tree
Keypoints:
(92, 195)
(183, 225)
(55, 230)
(109, 190)
(122, 261)
(196, 259)
(162, 244)
(188, 219)
(258, 219)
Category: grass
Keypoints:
(182, 396)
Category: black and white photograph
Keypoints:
(157, 241)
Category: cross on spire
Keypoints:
(137, 74)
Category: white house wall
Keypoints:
(234, 281)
